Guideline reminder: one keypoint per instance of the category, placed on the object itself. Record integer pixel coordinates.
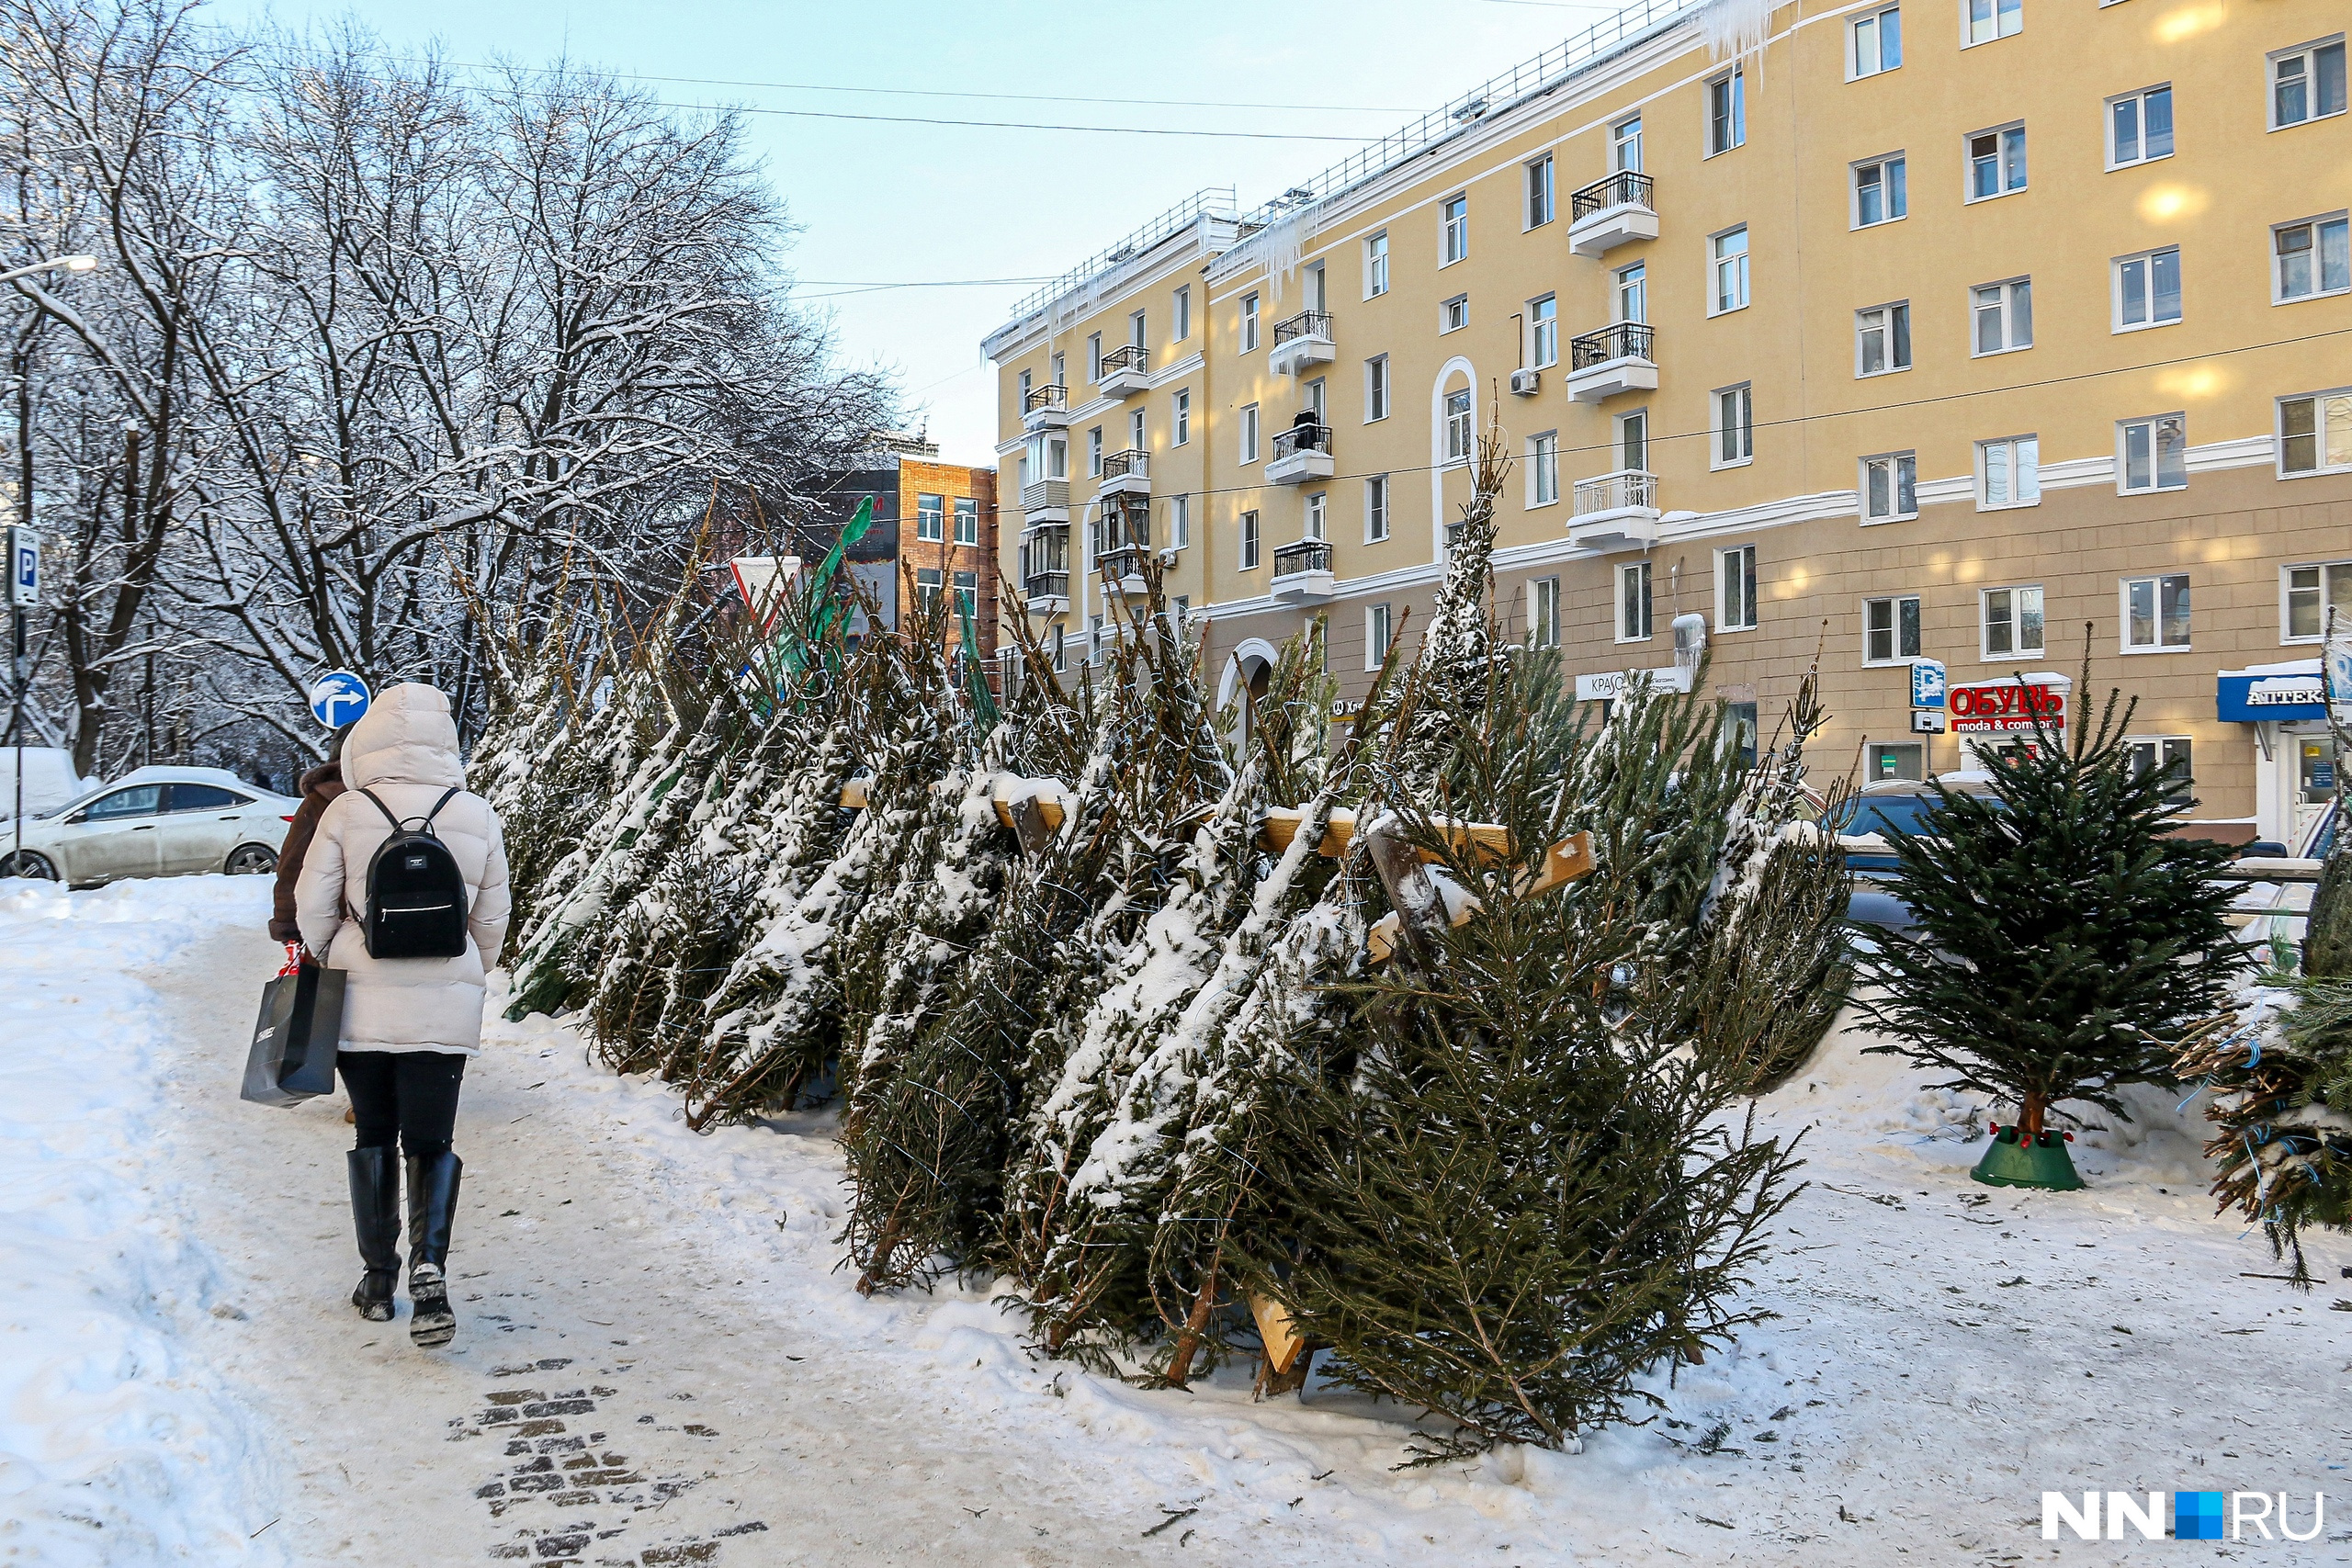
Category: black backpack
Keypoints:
(416, 895)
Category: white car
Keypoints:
(152, 822)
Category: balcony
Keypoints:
(1121, 569)
(1302, 453)
(1303, 340)
(1612, 212)
(1617, 358)
(1125, 371)
(1121, 540)
(1128, 473)
(1615, 511)
(1045, 568)
(1046, 501)
(1302, 572)
(1045, 408)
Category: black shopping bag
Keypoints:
(292, 1057)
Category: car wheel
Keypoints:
(252, 860)
(24, 863)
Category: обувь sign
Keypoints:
(1996, 708)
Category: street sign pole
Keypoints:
(24, 593)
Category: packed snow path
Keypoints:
(658, 1363)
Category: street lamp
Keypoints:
(70, 263)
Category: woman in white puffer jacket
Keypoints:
(408, 1023)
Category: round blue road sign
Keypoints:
(338, 697)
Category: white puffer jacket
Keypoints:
(404, 749)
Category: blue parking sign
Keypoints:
(337, 698)
(1927, 684)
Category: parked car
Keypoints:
(1894, 804)
(152, 822)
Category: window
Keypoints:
(1543, 612)
(1375, 508)
(1376, 621)
(1544, 332)
(967, 520)
(1453, 230)
(1735, 589)
(2167, 752)
(203, 797)
(1375, 266)
(1727, 256)
(2155, 614)
(1311, 397)
(1454, 314)
(1880, 193)
(2314, 257)
(2147, 289)
(1996, 161)
(2152, 453)
(968, 594)
(931, 515)
(2306, 84)
(2008, 472)
(1543, 469)
(1878, 43)
(1538, 192)
(1094, 453)
(1249, 322)
(927, 586)
(1061, 371)
(2315, 433)
(1890, 630)
(1883, 339)
(1634, 293)
(1634, 602)
(1136, 431)
(1984, 20)
(1312, 292)
(1376, 389)
(1184, 432)
(1740, 731)
(2012, 619)
(2306, 610)
(1458, 445)
(1179, 521)
(1727, 112)
(1889, 487)
(1136, 329)
(1735, 426)
(2004, 314)
(139, 800)
(1181, 314)
(1626, 146)
(1895, 760)
(1311, 524)
(1248, 541)
(2139, 127)
(1026, 382)
(1634, 440)
(1249, 432)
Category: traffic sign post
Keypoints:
(338, 697)
(24, 593)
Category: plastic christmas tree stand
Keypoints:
(2039, 1162)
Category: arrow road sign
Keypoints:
(338, 697)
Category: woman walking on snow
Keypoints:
(408, 1023)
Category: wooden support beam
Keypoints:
(1563, 863)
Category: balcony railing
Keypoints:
(1132, 463)
(1624, 490)
(1046, 585)
(1306, 323)
(1619, 340)
(1307, 555)
(1044, 495)
(1124, 564)
(1051, 396)
(1300, 438)
(1623, 188)
(1127, 356)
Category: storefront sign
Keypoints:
(1609, 684)
(2006, 707)
(2271, 695)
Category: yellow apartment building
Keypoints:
(1897, 334)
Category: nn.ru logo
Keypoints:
(2196, 1516)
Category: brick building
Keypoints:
(934, 530)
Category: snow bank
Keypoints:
(116, 1445)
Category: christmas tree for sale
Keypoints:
(2064, 945)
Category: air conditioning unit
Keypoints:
(1525, 382)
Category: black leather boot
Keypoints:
(376, 1215)
(431, 1203)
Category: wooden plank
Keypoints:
(854, 794)
(1280, 1335)
(1282, 822)
(1563, 863)
(1046, 796)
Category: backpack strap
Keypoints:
(447, 796)
(386, 809)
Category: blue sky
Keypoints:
(896, 203)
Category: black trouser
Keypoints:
(409, 1094)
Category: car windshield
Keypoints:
(1880, 813)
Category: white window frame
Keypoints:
(1379, 623)
(1250, 322)
(1888, 189)
(1180, 314)
(1095, 358)
(1248, 554)
(1180, 522)
(1376, 398)
(1638, 571)
(1375, 508)
(1543, 612)
(1728, 614)
(2157, 746)
(1314, 516)
(1630, 289)
(1544, 332)
(1453, 228)
(1893, 463)
(1717, 428)
(1376, 265)
(2152, 424)
(1542, 191)
(2139, 98)
(1182, 427)
(1543, 469)
(1452, 314)
(2017, 621)
(2013, 447)
(1625, 139)
(2009, 309)
(1892, 311)
(1139, 431)
(2321, 424)
(930, 523)
(1896, 656)
(1876, 21)
(2341, 220)
(1734, 134)
(2002, 187)
(1249, 432)
(1461, 436)
(2156, 582)
(1997, 12)
(1718, 260)
(2288, 636)
(966, 508)
(2147, 260)
(2309, 52)
(1094, 453)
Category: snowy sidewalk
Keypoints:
(658, 1363)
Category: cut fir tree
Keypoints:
(2064, 941)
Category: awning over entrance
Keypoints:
(2271, 693)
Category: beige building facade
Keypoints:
(1880, 335)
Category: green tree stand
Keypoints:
(2019, 1159)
